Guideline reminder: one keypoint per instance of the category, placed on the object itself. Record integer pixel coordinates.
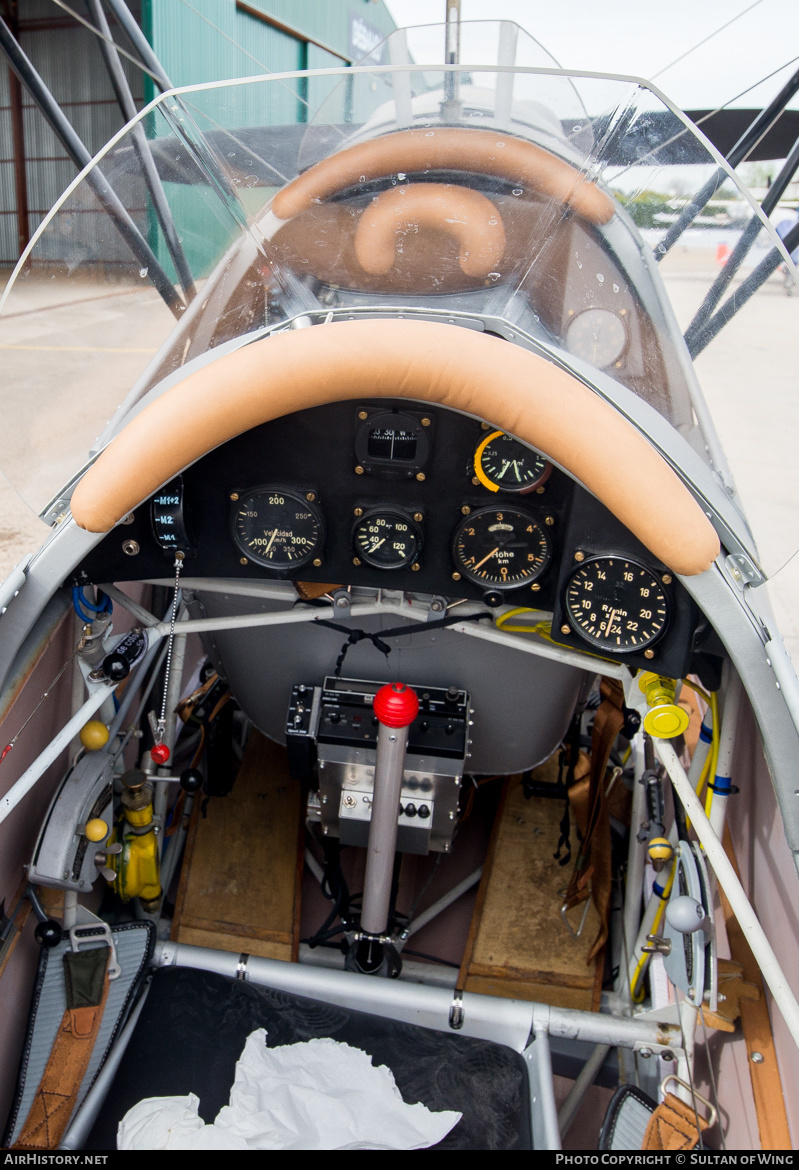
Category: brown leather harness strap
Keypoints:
(592, 870)
(672, 1126)
(86, 976)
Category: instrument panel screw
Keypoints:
(359, 470)
(415, 567)
(579, 556)
(234, 495)
(317, 562)
(666, 578)
(485, 426)
(456, 576)
(242, 560)
(549, 520)
(425, 422)
(645, 1053)
(356, 560)
(310, 497)
(363, 414)
(465, 510)
(130, 547)
(757, 1058)
(357, 511)
(418, 517)
(475, 481)
(649, 653)
(565, 629)
(535, 587)
(420, 475)
(128, 519)
(540, 491)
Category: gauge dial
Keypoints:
(392, 444)
(502, 463)
(597, 336)
(501, 547)
(277, 528)
(387, 539)
(616, 604)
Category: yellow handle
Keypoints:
(665, 719)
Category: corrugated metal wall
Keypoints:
(197, 40)
(67, 57)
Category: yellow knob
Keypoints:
(660, 849)
(666, 721)
(96, 829)
(94, 735)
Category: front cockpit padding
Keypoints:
(517, 391)
(448, 148)
(460, 212)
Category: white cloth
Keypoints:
(319, 1095)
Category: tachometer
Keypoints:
(277, 528)
(502, 463)
(501, 547)
(617, 605)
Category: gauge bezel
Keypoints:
(601, 645)
(499, 487)
(299, 496)
(496, 582)
(382, 513)
(617, 354)
(400, 420)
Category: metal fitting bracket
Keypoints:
(457, 1015)
(93, 932)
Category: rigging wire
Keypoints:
(704, 41)
(108, 40)
(692, 1090)
(302, 101)
(710, 114)
(140, 65)
(713, 1086)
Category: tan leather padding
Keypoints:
(485, 152)
(517, 391)
(460, 212)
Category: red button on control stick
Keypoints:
(396, 705)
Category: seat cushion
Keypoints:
(194, 1024)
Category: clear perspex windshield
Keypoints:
(553, 201)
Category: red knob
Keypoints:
(396, 705)
(159, 753)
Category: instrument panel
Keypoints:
(385, 495)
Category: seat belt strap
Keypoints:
(86, 980)
(672, 1126)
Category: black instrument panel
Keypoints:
(384, 494)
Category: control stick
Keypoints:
(395, 706)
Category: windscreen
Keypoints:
(581, 210)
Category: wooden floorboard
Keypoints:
(240, 885)
(519, 946)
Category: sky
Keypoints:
(643, 38)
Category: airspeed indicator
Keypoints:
(277, 528)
